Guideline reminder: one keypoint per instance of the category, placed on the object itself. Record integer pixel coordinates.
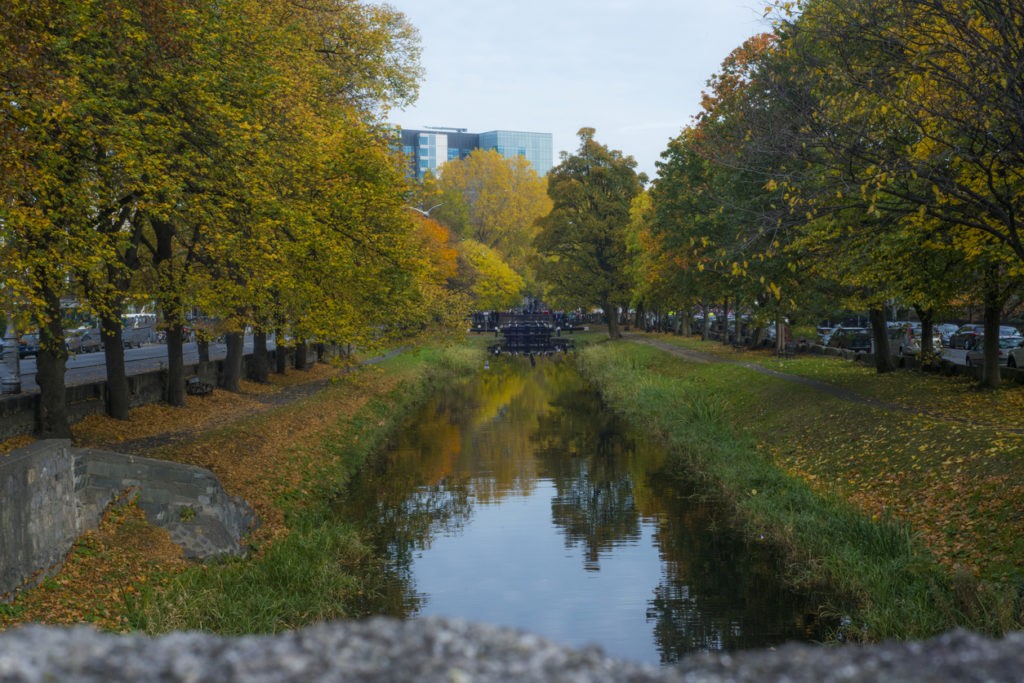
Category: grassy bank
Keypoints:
(831, 481)
(319, 569)
(287, 462)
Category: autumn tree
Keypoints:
(54, 141)
(495, 201)
(142, 149)
(582, 241)
(918, 119)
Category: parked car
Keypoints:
(28, 344)
(905, 339)
(852, 338)
(966, 337)
(1015, 357)
(826, 333)
(946, 330)
(976, 356)
(83, 340)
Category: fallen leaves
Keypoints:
(103, 572)
(260, 443)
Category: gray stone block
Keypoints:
(439, 650)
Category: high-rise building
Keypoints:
(430, 148)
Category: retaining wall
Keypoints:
(40, 515)
(51, 493)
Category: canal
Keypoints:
(518, 500)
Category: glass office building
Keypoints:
(536, 147)
(428, 150)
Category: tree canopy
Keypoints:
(866, 153)
(583, 248)
(229, 157)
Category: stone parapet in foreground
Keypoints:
(436, 650)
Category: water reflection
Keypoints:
(517, 499)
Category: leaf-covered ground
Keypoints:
(251, 440)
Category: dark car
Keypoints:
(966, 337)
(946, 330)
(28, 345)
(852, 338)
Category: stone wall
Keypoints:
(40, 516)
(51, 493)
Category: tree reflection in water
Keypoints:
(515, 426)
(585, 451)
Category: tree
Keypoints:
(50, 191)
(493, 284)
(142, 145)
(495, 201)
(916, 122)
(582, 241)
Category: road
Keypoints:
(84, 368)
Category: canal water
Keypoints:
(519, 500)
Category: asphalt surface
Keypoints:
(84, 368)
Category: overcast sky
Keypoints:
(631, 69)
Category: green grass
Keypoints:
(792, 463)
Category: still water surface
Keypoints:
(519, 500)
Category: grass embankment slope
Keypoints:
(286, 458)
(908, 502)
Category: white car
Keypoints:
(1011, 354)
(1015, 357)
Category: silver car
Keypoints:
(976, 356)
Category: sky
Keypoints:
(633, 70)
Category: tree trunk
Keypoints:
(51, 362)
(993, 308)
(612, 314)
(118, 400)
(260, 357)
(175, 365)
(781, 333)
(880, 336)
(232, 375)
(705, 330)
(280, 354)
(202, 348)
(302, 356)
(927, 318)
(724, 328)
(174, 317)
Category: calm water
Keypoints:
(519, 500)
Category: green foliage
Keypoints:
(229, 157)
(864, 154)
(582, 242)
